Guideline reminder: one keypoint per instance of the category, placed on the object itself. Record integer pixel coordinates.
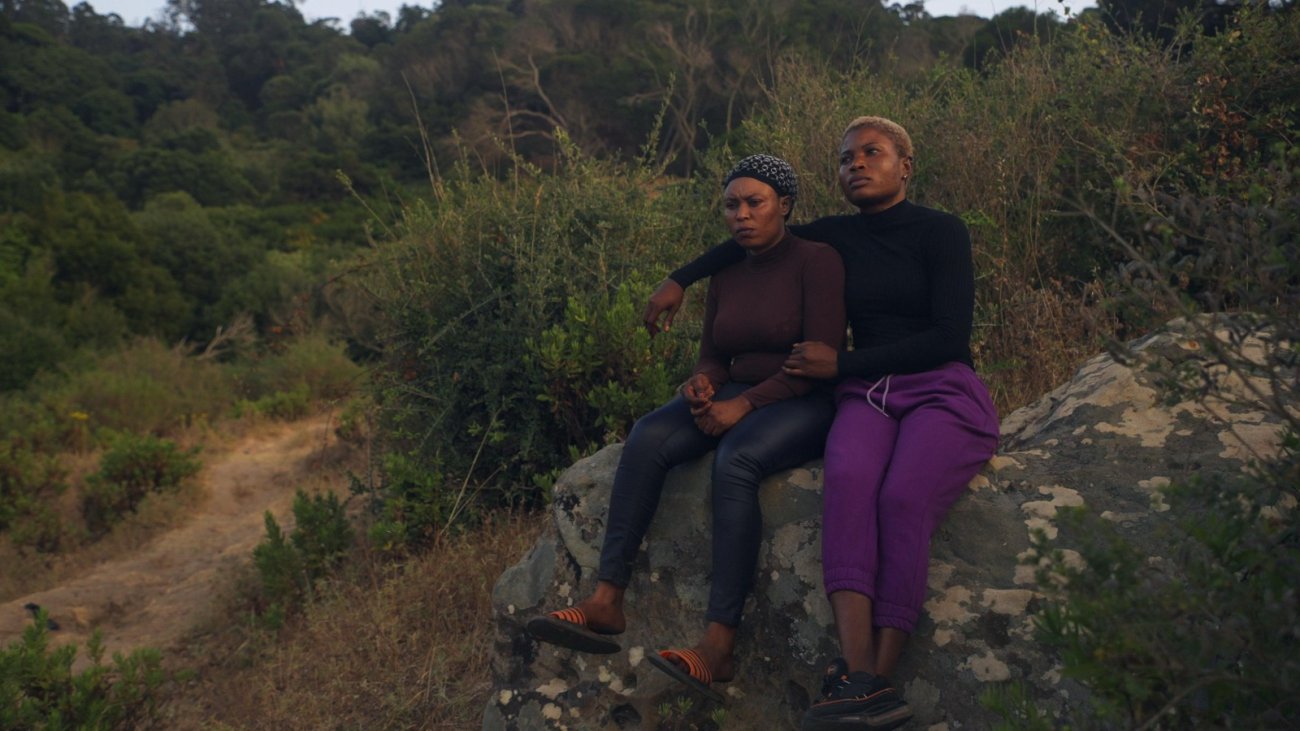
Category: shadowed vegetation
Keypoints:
(233, 213)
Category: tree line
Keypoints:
(161, 180)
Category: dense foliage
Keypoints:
(199, 217)
(167, 179)
(513, 328)
(1207, 635)
(207, 181)
(40, 690)
(289, 567)
(131, 469)
(1047, 154)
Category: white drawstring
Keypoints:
(884, 395)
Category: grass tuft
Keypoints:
(388, 647)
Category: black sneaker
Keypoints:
(855, 701)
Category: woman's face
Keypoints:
(755, 214)
(872, 174)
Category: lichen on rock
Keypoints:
(1103, 442)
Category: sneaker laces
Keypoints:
(837, 674)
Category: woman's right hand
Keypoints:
(664, 302)
(698, 392)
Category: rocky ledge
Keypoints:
(1105, 440)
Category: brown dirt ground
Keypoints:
(154, 596)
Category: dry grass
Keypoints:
(1037, 339)
(28, 572)
(392, 647)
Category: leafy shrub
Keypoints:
(25, 349)
(601, 370)
(1205, 639)
(311, 363)
(26, 477)
(285, 405)
(40, 690)
(145, 388)
(280, 571)
(356, 420)
(414, 505)
(470, 293)
(29, 483)
(289, 567)
(40, 528)
(32, 420)
(321, 535)
(131, 469)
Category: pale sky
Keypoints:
(135, 12)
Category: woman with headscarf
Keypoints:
(781, 290)
(914, 423)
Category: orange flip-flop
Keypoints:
(694, 675)
(569, 628)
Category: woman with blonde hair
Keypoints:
(913, 425)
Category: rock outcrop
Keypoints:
(1104, 440)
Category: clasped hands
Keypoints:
(809, 359)
(712, 417)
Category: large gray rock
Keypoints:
(1104, 440)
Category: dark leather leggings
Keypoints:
(778, 436)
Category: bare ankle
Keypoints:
(608, 594)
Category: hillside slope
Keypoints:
(153, 597)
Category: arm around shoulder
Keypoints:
(662, 306)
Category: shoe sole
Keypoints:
(878, 722)
(569, 635)
(685, 679)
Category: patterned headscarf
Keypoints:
(768, 169)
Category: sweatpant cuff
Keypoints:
(849, 579)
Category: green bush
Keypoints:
(145, 388)
(284, 405)
(30, 485)
(1208, 638)
(26, 476)
(130, 470)
(36, 421)
(601, 370)
(312, 363)
(471, 292)
(289, 567)
(322, 534)
(40, 690)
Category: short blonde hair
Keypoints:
(888, 127)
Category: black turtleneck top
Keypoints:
(909, 287)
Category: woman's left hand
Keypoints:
(722, 415)
(812, 359)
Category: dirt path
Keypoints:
(152, 597)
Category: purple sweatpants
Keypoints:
(900, 453)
